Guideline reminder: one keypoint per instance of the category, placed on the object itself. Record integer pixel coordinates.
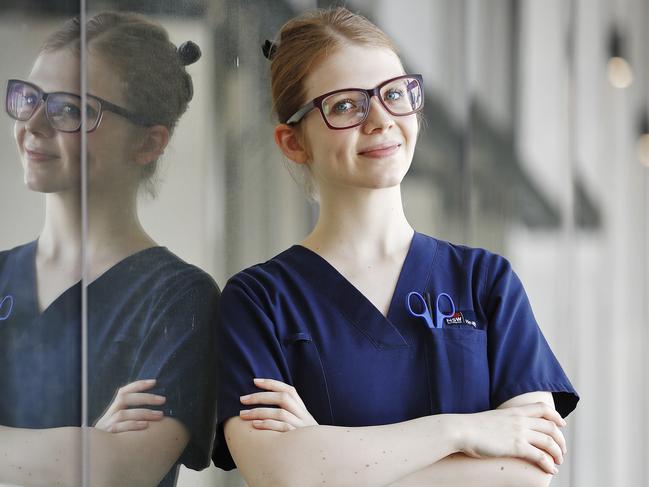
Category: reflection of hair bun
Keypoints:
(269, 48)
(189, 53)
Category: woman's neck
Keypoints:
(114, 230)
(360, 222)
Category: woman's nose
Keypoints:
(378, 116)
(38, 122)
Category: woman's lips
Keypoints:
(383, 150)
(39, 156)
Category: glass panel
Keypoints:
(40, 250)
(153, 167)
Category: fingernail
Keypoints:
(158, 413)
(556, 470)
(257, 422)
(243, 398)
(244, 412)
(142, 424)
(257, 379)
(150, 381)
(161, 399)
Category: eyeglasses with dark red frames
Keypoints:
(414, 97)
(56, 104)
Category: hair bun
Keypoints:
(269, 48)
(189, 53)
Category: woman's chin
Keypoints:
(384, 181)
(38, 185)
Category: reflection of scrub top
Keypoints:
(297, 319)
(149, 316)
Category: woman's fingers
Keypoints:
(272, 385)
(542, 410)
(128, 420)
(124, 426)
(271, 413)
(137, 399)
(281, 399)
(137, 386)
(271, 424)
(137, 415)
(290, 409)
(549, 428)
(538, 457)
(118, 418)
(547, 444)
(278, 386)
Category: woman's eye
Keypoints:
(29, 100)
(394, 95)
(343, 106)
(70, 111)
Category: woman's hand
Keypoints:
(118, 418)
(290, 413)
(530, 432)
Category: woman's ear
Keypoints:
(291, 144)
(153, 144)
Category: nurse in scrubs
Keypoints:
(362, 392)
(150, 314)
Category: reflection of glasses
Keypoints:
(62, 110)
(347, 108)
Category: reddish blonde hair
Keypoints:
(307, 39)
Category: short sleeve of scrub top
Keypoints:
(520, 359)
(178, 350)
(296, 319)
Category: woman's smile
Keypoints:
(380, 150)
(39, 155)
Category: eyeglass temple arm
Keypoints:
(297, 116)
(106, 105)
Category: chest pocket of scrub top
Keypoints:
(307, 374)
(459, 370)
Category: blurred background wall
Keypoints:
(529, 150)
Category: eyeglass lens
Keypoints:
(400, 97)
(63, 110)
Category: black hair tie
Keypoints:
(269, 48)
(189, 53)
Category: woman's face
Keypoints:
(50, 158)
(375, 154)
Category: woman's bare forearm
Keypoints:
(340, 456)
(379, 455)
(53, 456)
(458, 470)
(40, 457)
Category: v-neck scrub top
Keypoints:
(295, 318)
(151, 316)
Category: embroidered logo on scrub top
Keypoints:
(6, 305)
(459, 319)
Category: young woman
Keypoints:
(150, 314)
(464, 391)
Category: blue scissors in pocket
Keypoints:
(423, 309)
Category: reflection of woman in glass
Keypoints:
(382, 388)
(150, 314)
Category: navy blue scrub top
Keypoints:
(295, 318)
(152, 315)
